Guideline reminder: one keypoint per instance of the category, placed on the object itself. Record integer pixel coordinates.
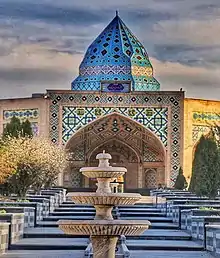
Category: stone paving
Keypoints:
(163, 239)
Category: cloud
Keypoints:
(42, 44)
(189, 32)
(48, 13)
(198, 82)
(39, 70)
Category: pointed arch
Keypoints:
(130, 135)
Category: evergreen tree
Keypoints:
(205, 171)
(180, 182)
(27, 129)
(13, 128)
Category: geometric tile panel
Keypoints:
(35, 128)
(155, 119)
(134, 100)
(151, 178)
(198, 131)
(22, 114)
(73, 179)
(150, 156)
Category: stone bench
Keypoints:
(199, 226)
(52, 201)
(4, 237)
(166, 206)
(45, 203)
(29, 214)
(213, 239)
(186, 221)
(178, 208)
(62, 191)
(38, 208)
(171, 204)
(16, 227)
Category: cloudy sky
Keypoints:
(42, 42)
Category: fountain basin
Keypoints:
(111, 199)
(104, 227)
(109, 172)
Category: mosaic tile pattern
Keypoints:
(31, 114)
(150, 156)
(35, 128)
(152, 118)
(151, 178)
(172, 101)
(116, 55)
(198, 131)
(22, 114)
(205, 117)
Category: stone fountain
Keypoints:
(104, 231)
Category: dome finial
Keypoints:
(116, 12)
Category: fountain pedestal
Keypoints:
(104, 231)
(104, 246)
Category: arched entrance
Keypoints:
(122, 156)
(130, 144)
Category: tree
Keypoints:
(180, 182)
(38, 161)
(26, 129)
(7, 164)
(205, 170)
(15, 128)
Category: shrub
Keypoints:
(180, 182)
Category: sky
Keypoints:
(43, 42)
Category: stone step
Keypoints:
(152, 214)
(74, 209)
(44, 254)
(51, 244)
(81, 217)
(165, 254)
(81, 244)
(146, 217)
(74, 213)
(153, 210)
(163, 245)
(75, 206)
(80, 254)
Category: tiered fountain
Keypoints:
(104, 231)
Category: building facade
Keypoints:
(115, 104)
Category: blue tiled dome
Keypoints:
(116, 62)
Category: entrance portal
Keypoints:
(130, 144)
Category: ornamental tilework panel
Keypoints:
(150, 155)
(198, 131)
(147, 101)
(22, 114)
(154, 119)
(35, 128)
(205, 117)
(151, 178)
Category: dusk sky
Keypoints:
(43, 41)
